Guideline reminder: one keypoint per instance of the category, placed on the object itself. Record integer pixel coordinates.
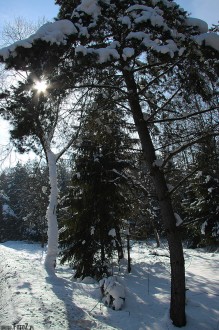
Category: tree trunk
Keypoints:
(177, 305)
(119, 246)
(128, 251)
(157, 237)
(52, 250)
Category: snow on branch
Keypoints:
(210, 39)
(90, 7)
(134, 17)
(196, 22)
(55, 32)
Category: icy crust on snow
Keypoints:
(55, 32)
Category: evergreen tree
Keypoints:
(202, 196)
(23, 185)
(39, 124)
(97, 203)
(15, 184)
(155, 38)
(9, 223)
(34, 222)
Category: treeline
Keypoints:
(102, 192)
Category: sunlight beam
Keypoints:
(41, 86)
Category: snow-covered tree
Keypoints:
(201, 195)
(153, 37)
(97, 202)
(23, 188)
(37, 114)
(9, 223)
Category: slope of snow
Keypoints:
(29, 297)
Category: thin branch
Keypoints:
(183, 117)
(185, 146)
(148, 66)
(162, 107)
(182, 181)
(100, 86)
(159, 76)
(69, 144)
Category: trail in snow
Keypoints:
(28, 296)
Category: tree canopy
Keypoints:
(155, 57)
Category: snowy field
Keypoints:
(29, 297)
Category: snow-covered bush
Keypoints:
(113, 292)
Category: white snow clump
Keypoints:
(179, 221)
(210, 39)
(199, 23)
(112, 232)
(113, 292)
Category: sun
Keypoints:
(41, 86)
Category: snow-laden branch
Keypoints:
(59, 31)
(53, 33)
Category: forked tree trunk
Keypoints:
(177, 305)
(52, 249)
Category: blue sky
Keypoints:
(207, 10)
(30, 9)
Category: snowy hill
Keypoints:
(29, 297)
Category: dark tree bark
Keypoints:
(128, 250)
(177, 305)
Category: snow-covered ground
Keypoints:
(29, 297)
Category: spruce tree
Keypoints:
(97, 203)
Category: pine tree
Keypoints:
(154, 37)
(97, 202)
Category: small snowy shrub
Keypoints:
(113, 293)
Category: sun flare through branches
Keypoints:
(41, 86)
